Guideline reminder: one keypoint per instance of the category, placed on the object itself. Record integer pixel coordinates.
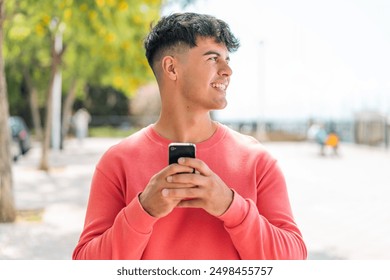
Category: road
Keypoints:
(341, 203)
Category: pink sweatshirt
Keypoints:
(258, 225)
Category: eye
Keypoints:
(213, 58)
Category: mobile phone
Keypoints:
(178, 150)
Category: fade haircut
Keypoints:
(183, 29)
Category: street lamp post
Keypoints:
(57, 88)
(261, 130)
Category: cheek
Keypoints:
(196, 80)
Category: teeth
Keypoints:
(219, 85)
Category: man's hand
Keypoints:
(177, 186)
(153, 198)
(202, 189)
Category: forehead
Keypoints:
(208, 43)
(204, 46)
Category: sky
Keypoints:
(305, 58)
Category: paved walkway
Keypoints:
(342, 204)
(59, 196)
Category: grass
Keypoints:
(109, 131)
(30, 215)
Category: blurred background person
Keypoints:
(81, 120)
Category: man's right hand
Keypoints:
(152, 198)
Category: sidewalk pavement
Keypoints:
(59, 197)
(341, 204)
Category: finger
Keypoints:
(177, 168)
(180, 193)
(188, 179)
(178, 186)
(197, 164)
(190, 203)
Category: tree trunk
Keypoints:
(56, 62)
(7, 206)
(34, 106)
(44, 164)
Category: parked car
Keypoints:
(21, 142)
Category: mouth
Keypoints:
(220, 86)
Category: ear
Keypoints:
(168, 64)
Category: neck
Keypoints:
(185, 128)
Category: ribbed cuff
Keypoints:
(236, 213)
(138, 218)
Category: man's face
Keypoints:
(204, 75)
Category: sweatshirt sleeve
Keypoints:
(265, 229)
(110, 231)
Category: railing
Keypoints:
(361, 132)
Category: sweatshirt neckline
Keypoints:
(206, 144)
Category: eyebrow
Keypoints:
(215, 53)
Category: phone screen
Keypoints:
(178, 150)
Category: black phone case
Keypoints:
(179, 150)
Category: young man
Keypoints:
(234, 206)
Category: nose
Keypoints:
(225, 69)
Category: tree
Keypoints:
(7, 208)
(103, 46)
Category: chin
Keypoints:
(218, 104)
(222, 105)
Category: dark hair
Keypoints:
(185, 28)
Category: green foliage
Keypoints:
(109, 131)
(112, 53)
(104, 102)
(102, 42)
(24, 51)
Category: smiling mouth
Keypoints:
(221, 86)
